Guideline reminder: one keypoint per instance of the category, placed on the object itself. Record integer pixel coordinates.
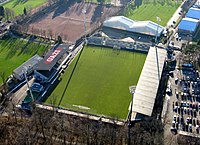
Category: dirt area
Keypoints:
(67, 20)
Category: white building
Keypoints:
(29, 66)
(142, 27)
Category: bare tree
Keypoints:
(9, 14)
(3, 87)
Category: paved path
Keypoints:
(19, 96)
(175, 16)
(168, 113)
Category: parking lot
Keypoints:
(186, 103)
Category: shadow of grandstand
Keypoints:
(49, 94)
(97, 13)
(71, 75)
(63, 6)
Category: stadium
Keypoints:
(104, 78)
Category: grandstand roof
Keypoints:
(147, 86)
(52, 57)
(193, 13)
(188, 24)
(143, 27)
(31, 63)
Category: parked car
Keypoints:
(36, 87)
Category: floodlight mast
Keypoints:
(158, 19)
(28, 86)
(84, 14)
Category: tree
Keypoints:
(2, 11)
(101, 1)
(9, 14)
(59, 39)
(3, 87)
(25, 12)
(50, 33)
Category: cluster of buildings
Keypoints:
(44, 69)
(190, 24)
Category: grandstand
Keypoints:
(48, 66)
(148, 28)
(147, 86)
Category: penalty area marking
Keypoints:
(81, 107)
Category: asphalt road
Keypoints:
(171, 139)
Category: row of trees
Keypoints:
(50, 127)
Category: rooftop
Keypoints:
(29, 63)
(188, 24)
(147, 86)
(52, 57)
(193, 13)
(143, 27)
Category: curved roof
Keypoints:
(188, 24)
(143, 27)
(193, 13)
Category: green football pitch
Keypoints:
(100, 81)
(148, 10)
(18, 5)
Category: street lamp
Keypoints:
(131, 123)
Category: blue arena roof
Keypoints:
(193, 13)
(188, 24)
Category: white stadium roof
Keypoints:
(147, 86)
(143, 27)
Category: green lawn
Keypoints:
(13, 52)
(149, 11)
(101, 81)
(18, 7)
